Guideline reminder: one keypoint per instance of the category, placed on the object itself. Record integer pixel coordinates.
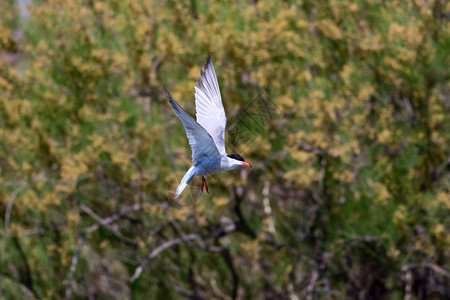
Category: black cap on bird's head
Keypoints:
(240, 158)
(236, 157)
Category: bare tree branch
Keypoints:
(26, 277)
(408, 285)
(229, 262)
(242, 224)
(12, 278)
(311, 285)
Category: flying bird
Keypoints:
(206, 135)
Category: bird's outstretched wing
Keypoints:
(202, 144)
(209, 107)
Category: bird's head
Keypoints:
(239, 160)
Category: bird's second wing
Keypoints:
(200, 141)
(209, 107)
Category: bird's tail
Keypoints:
(185, 181)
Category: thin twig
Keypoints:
(315, 150)
(267, 208)
(157, 251)
(158, 228)
(431, 266)
(323, 164)
(200, 242)
(107, 225)
(180, 290)
(73, 267)
(34, 231)
(10, 205)
(311, 285)
(23, 185)
(113, 218)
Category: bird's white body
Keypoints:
(206, 135)
(205, 168)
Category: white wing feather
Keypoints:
(209, 107)
(202, 144)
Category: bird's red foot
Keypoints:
(204, 184)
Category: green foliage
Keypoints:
(341, 106)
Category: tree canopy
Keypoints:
(342, 107)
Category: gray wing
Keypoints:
(200, 141)
(209, 107)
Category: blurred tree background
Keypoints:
(342, 107)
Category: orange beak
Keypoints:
(247, 164)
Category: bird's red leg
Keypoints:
(203, 182)
(206, 185)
